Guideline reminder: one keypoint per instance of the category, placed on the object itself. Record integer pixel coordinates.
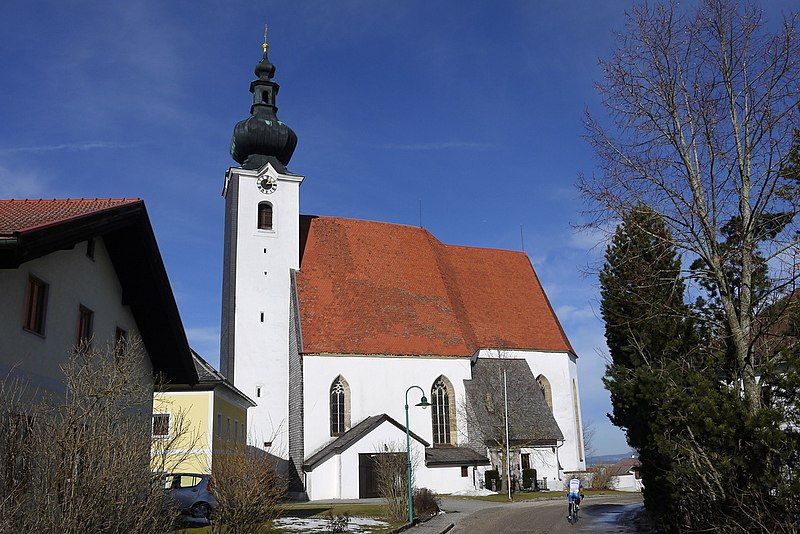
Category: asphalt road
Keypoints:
(598, 514)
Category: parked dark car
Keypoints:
(191, 493)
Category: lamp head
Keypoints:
(423, 403)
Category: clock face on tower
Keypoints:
(267, 185)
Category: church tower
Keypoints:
(262, 208)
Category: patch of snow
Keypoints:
(320, 524)
(479, 492)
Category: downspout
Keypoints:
(558, 461)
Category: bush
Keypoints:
(248, 490)
(488, 476)
(337, 523)
(528, 478)
(426, 502)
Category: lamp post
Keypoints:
(409, 497)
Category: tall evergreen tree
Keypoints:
(647, 332)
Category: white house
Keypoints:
(83, 269)
(326, 323)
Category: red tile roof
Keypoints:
(18, 216)
(377, 288)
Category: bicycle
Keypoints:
(573, 512)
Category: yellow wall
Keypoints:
(188, 443)
(189, 440)
(224, 411)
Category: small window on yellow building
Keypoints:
(160, 425)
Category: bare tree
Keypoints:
(81, 461)
(390, 471)
(589, 435)
(248, 489)
(702, 110)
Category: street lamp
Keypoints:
(409, 497)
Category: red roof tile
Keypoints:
(377, 288)
(17, 216)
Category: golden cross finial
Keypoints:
(265, 46)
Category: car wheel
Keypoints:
(200, 510)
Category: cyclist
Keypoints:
(574, 494)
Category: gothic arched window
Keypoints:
(264, 216)
(546, 390)
(340, 406)
(443, 413)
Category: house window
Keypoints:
(235, 429)
(547, 391)
(526, 460)
(258, 391)
(85, 326)
(35, 305)
(464, 472)
(264, 216)
(340, 406)
(228, 429)
(90, 249)
(120, 338)
(442, 416)
(160, 425)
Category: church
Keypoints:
(342, 330)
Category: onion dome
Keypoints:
(262, 138)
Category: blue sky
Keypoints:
(474, 108)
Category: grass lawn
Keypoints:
(306, 511)
(522, 496)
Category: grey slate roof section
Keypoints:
(296, 415)
(208, 379)
(227, 345)
(530, 420)
(444, 456)
(352, 436)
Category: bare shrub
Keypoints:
(81, 461)
(426, 502)
(602, 478)
(248, 490)
(337, 523)
(390, 470)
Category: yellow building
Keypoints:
(192, 424)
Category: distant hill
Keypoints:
(608, 458)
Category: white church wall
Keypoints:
(263, 259)
(74, 279)
(444, 479)
(560, 369)
(378, 385)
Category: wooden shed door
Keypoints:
(367, 479)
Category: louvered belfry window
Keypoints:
(264, 216)
(441, 413)
(337, 408)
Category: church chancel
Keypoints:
(326, 321)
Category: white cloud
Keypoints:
(443, 145)
(16, 183)
(573, 313)
(89, 145)
(205, 340)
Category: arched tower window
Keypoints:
(264, 216)
(546, 390)
(443, 417)
(340, 406)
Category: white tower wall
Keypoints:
(256, 297)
